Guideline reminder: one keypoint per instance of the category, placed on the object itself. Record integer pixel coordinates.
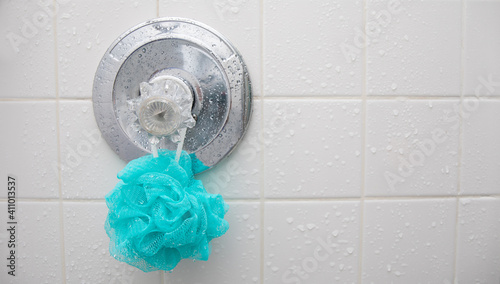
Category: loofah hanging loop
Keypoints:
(159, 214)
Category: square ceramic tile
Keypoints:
(409, 241)
(29, 148)
(482, 60)
(86, 249)
(480, 155)
(235, 256)
(312, 148)
(411, 147)
(478, 249)
(414, 47)
(311, 242)
(239, 21)
(88, 165)
(239, 175)
(309, 48)
(37, 245)
(27, 57)
(85, 30)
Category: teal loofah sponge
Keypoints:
(159, 214)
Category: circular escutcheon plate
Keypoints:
(197, 55)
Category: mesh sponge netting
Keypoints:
(159, 214)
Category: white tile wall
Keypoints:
(411, 147)
(304, 45)
(38, 243)
(345, 92)
(413, 47)
(409, 241)
(480, 155)
(329, 164)
(28, 147)
(314, 242)
(478, 250)
(27, 54)
(480, 63)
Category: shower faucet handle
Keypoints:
(165, 106)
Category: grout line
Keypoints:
(363, 150)
(43, 99)
(262, 52)
(455, 261)
(415, 96)
(75, 99)
(298, 199)
(346, 97)
(28, 99)
(58, 134)
(41, 200)
(262, 152)
(431, 197)
(378, 198)
(291, 97)
(460, 118)
(460, 141)
(286, 199)
(248, 201)
(371, 98)
(69, 200)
